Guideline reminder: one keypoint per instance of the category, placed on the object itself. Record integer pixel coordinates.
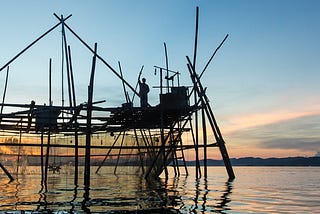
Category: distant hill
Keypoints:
(250, 161)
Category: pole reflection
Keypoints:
(178, 195)
(225, 198)
(123, 193)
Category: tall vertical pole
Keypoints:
(196, 38)
(19, 148)
(167, 65)
(163, 143)
(76, 149)
(161, 91)
(49, 131)
(41, 160)
(198, 172)
(204, 131)
(67, 61)
(88, 130)
(47, 159)
(50, 74)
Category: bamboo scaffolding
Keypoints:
(159, 143)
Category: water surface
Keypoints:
(255, 190)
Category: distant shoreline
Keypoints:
(251, 161)
(246, 161)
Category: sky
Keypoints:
(263, 84)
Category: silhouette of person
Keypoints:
(143, 93)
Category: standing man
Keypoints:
(143, 93)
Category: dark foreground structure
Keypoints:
(148, 139)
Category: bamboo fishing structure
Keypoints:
(148, 139)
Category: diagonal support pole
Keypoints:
(34, 42)
(7, 172)
(100, 58)
(204, 99)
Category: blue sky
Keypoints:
(263, 84)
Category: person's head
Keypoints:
(143, 80)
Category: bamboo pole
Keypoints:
(105, 158)
(88, 131)
(204, 133)
(5, 90)
(119, 153)
(196, 119)
(76, 113)
(41, 160)
(214, 53)
(167, 65)
(137, 83)
(139, 151)
(7, 172)
(47, 159)
(99, 57)
(212, 121)
(65, 46)
(35, 41)
(50, 87)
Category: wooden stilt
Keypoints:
(88, 130)
(47, 159)
(41, 160)
(204, 133)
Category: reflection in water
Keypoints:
(256, 189)
(225, 197)
(110, 193)
(202, 198)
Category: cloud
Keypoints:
(253, 120)
(304, 144)
(301, 133)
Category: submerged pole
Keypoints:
(47, 159)
(88, 131)
(41, 160)
(204, 131)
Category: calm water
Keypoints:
(255, 190)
